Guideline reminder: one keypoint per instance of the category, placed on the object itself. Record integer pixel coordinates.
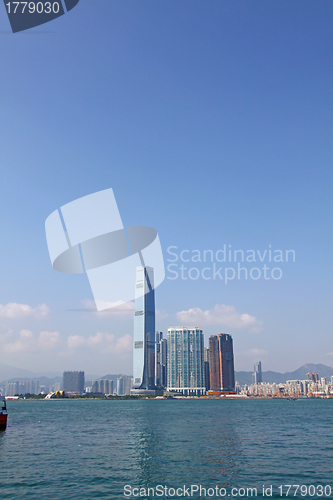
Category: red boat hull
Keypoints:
(3, 422)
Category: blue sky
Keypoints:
(212, 122)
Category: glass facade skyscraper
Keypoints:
(221, 363)
(214, 364)
(144, 330)
(257, 374)
(185, 360)
(227, 371)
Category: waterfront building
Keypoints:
(120, 386)
(124, 385)
(206, 368)
(227, 371)
(185, 360)
(164, 361)
(22, 387)
(73, 382)
(291, 388)
(102, 386)
(257, 373)
(160, 361)
(158, 376)
(144, 332)
(214, 364)
(221, 363)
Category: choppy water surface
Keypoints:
(87, 449)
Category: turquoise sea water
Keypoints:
(87, 449)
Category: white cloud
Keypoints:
(124, 344)
(13, 310)
(48, 340)
(5, 336)
(160, 315)
(106, 342)
(75, 341)
(27, 342)
(256, 352)
(222, 315)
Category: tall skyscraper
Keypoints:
(124, 385)
(73, 382)
(221, 363)
(312, 376)
(164, 361)
(185, 360)
(227, 370)
(214, 364)
(160, 360)
(257, 373)
(144, 331)
(206, 367)
(158, 374)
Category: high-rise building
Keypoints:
(206, 367)
(257, 373)
(158, 374)
(214, 364)
(185, 360)
(120, 386)
(102, 386)
(227, 371)
(160, 360)
(73, 382)
(312, 376)
(144, 331)
(164, 362)
(124, 385)
(221, 363)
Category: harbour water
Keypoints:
(87, 449)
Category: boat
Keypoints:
(3, 413)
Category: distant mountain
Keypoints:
(11, 374)
(7, 372)
(280, 378)
(42, 380)
(108, 377)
